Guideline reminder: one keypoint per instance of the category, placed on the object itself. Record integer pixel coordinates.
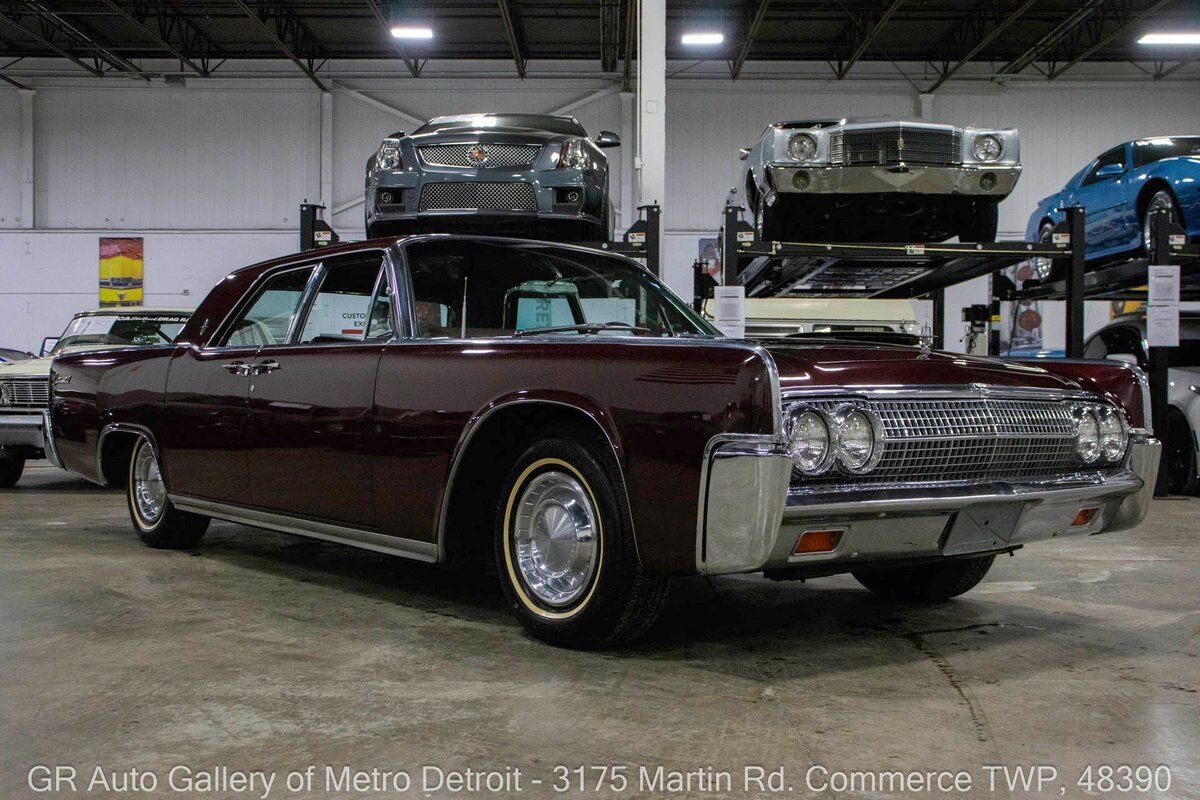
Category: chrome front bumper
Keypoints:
(916, 179)
(23, 430)
(748, 522)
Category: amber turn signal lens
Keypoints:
(1084, 517)
(817, 542)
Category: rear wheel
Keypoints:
(11, 466)
(1181, 455)
(157, 521)
(927, 582)
(1160, 203)
(564, 547)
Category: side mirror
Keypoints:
(608, 139)
(1124, 358)
(743, 153)
(1110, 171)
(47, 345)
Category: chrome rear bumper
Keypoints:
(747, 522)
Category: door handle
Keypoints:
(264, 366)
(237, 368)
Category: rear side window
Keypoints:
(269, 317)
(342, 307)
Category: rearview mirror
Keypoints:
(47, 345)
(743, 153)
(1124, 358)
(608, 139)
(1110, 171)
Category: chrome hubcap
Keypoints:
(149, 493)
(1158, 204)
(554, 536)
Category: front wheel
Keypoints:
(155, 518)
(1161, 203)
(12, 465)
(564, 547)
(927, 582)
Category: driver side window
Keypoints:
(267, 320)
(1115, 156)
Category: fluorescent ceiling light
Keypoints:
(408, 32)
(1178, 37)
(703, 38)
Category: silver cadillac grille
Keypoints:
(25, 393)
(489, 195)
(895, 145)
(474, 154)
(944, 441)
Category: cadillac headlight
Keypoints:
(1113, 436)
(802, 147)
(810, 441)
(859, 446)
(388, 156)
(573, 155)
(987, 148)
(1087, 435)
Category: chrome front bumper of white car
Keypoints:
(748, 521)
(22, 430)
(995, 180)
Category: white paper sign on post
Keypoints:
(730, 316)
(1162, 307)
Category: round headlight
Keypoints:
(1113, 437)
(802, 147)
(810, 442)
(4, 394)
(858, 449)
(987, 148)
(1087, 435)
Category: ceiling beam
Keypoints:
(870, 29)
(1122, 26)
(411, 64)
(510, 29)
(286, 26)
(630, 36)
(982, 43)
(1053, 37)
(751, 35)
(156, 37)
(610, 34)
(13, 82)
(83, 39)
(94, 69)
(1164, 73)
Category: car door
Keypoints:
(203, 438)
(1101, 191)
(311, 396)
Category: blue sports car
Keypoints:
(1120, 189)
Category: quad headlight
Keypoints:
(1087, 435)
(802, 147)
(5, 398)
(987, 148)
(1113, 436)
(850, 437)
(1100, 434)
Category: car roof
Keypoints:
(140, 310)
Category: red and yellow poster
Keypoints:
(120, 272)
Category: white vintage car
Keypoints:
(25, 385)
(886, 180)
(792, 316)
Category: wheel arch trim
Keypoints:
(127, 428)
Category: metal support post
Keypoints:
(1074, 295)
(729, 246)
(939, 319)
(1160, 380)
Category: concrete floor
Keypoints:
(270, 652)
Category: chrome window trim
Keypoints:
(300, 318)
(222, 332)
(973, 391)
(339, 534)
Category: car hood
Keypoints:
(490, 135)
(832, 362)
(40, 367)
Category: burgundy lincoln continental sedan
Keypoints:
(560, 410)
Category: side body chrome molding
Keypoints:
(355, 537)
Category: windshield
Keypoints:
(538, 122)
(471, 289)
(1151, 150)
(121, 329)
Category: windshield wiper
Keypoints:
(586, 327)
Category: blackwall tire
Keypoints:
(155, 518)
(927, 582)
(11, 469)
(564, 547)
(1160, 199)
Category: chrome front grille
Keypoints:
(24, 393)
(895, 145)
(472, 195)
(965, 440)
(468, 155)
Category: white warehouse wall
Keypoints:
(212, 174)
